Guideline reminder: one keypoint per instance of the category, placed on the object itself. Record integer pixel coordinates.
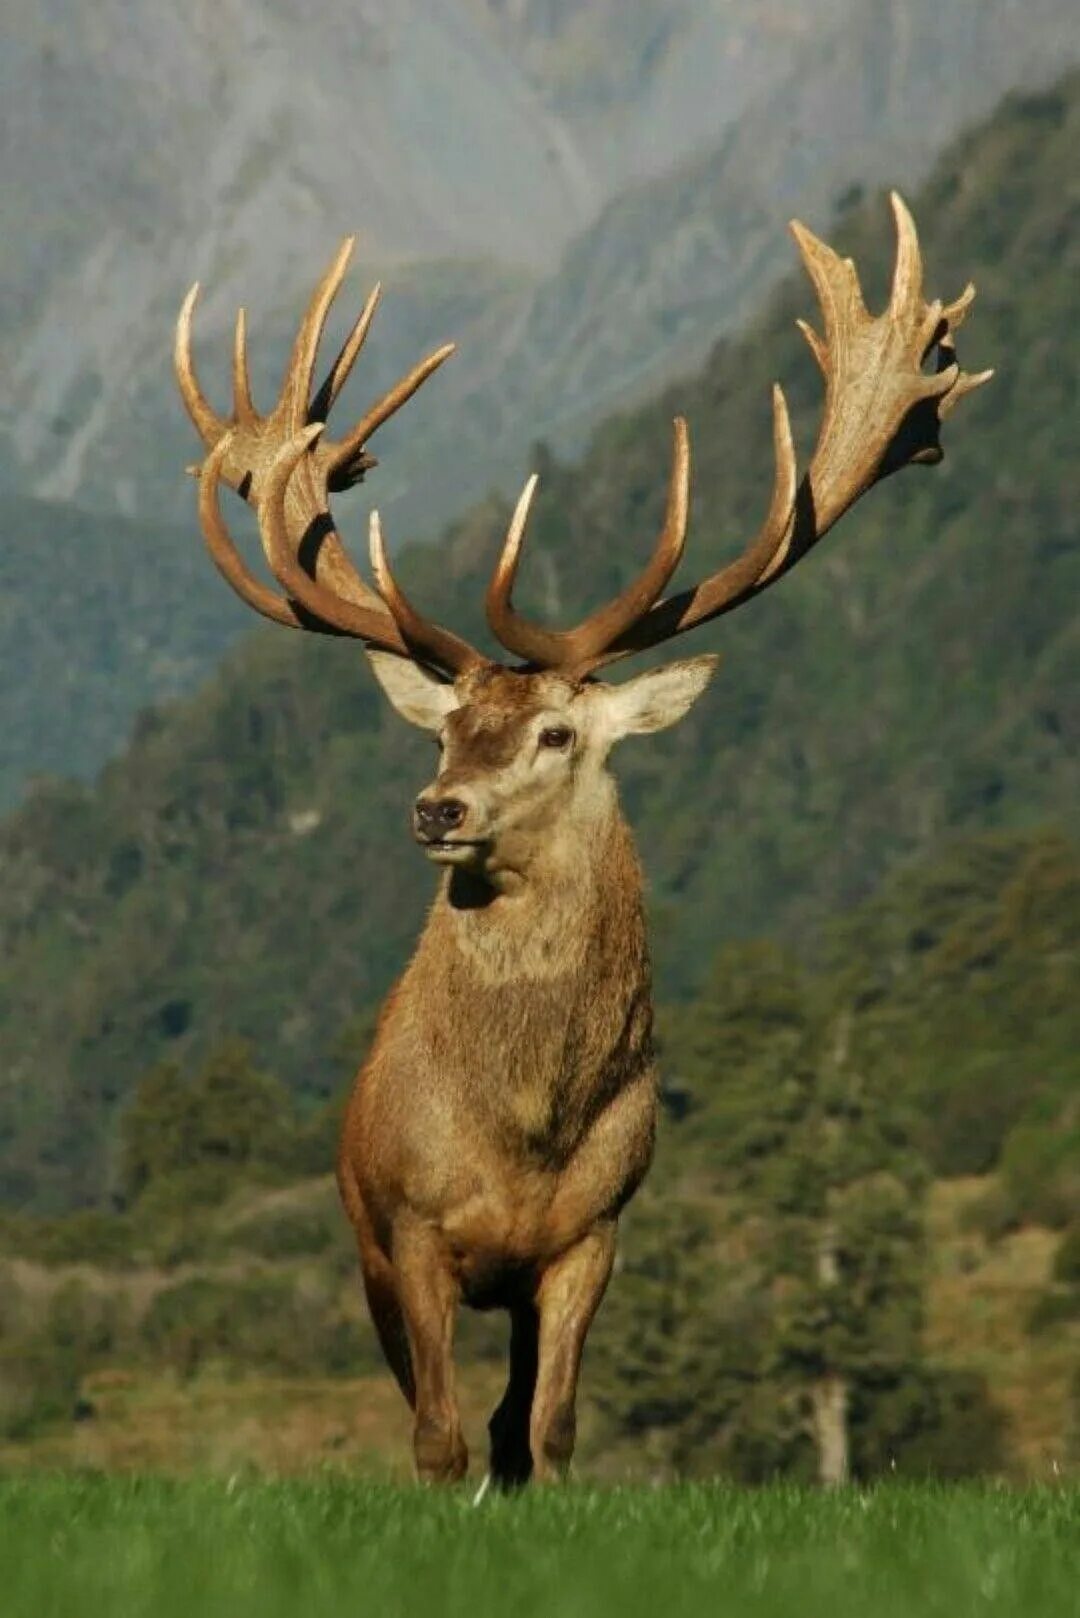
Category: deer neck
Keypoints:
(533, 1005)
(556, 917)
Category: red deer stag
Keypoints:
(506, 1112)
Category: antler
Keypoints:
(578, 647)
(882, 412)
(285, 467)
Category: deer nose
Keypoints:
(436, 816)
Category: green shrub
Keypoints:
(38, 1388)
(1067, 1257)
(44, 1354)
(263, 1321)
(1058, 1306)
(1041, 1167)
(91, 1236)
(983, 1101)
(932, 1423)
(290, 1232)
(227, 1119)
(993, 1215)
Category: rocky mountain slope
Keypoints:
(584, 195)
(145, 147)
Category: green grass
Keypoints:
(98, 1547)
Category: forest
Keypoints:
(865, 894)
(853, 1151)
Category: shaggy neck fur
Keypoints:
(533, 1004)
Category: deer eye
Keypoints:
(558, 736)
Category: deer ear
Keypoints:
(419, 696)
(658, 699)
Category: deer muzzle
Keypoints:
(441, 827)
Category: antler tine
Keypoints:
(882, 412)
(254, 443)
(966, 382)
(424, 639)
(582, 648)
(837, 286)
(253, 439)
(243, 404)
(512, 631)
(413, 637)
(338, 373)
(773, 537)
(227, 559)
(763, 557)
(206, 421)
(907, 281)
(956, 312)
(349, 452)
(780, 517)
(372, 624)
(282, 465)
(296, 387)
(530, 641)
(308, 604)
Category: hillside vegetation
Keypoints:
(868, 1176)
(82, 650)
(244, 869)
(881, 698)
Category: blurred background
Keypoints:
(862, 847)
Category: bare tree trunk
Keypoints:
(830, 1408)
(829, 1396)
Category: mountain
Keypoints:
(476, 132)
(585, 195)
(146, 146)
(643, 84)
(244, 866)
(102, 642)
(874, 92)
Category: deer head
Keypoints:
(524, 745)
(523, 755)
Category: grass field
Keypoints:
(107, 1548)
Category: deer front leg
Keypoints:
(567, 1298)
(511, 1458)
(429, 1299)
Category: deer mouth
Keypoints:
(453, 850)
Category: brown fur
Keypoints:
(506, 1112)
